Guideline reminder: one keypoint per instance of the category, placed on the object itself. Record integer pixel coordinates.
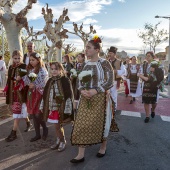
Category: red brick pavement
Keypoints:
(163, 107)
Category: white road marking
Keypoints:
(130, 113)
(165, 118)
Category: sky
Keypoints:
(118, 22)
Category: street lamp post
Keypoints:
(167, 17)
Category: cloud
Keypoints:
(33, 14)
(123, 1)
(89, 21)
(83, 11)
(124, 39)
(77, 10)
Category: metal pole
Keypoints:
(169, 55)
(2, 42)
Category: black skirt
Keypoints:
(149, 95)
(76, 92)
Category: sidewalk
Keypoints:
(4, 110)
(166, 92)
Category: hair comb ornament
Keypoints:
(96, 39)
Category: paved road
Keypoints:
(138, 146)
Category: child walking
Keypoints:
(36, 80)
(16, 93)
(57, 103)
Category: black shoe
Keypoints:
(100, 155)
(77, 160)
(131, 102)
(153, 114)
(35, 138)
(134, 99)
(146, 120)
(45, 134)
(29, 127)
(11, 137)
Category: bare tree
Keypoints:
(69, 48)
(56, 33)
(80, 33)
(13, 23)
(5, 46)
(30, 35)
(152, 36)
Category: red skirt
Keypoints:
(126, 87)
(33, 102)
(16, 107)
(53, 116)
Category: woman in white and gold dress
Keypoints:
(92, 124)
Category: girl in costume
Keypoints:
(57, 103)
(36, 83)
(67, 65)
(16, 93)
(78, 67)
(150, 90)
(133, 80)
(93, 119)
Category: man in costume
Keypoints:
(26, 59)
(119, 70)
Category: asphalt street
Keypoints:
(137, 146)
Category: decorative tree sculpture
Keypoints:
(56, 33)
(80, 33)
(69, 48)
(13, 23)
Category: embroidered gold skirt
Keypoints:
(89, 124)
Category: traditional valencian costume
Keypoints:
(92, 124)
(53, 109)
